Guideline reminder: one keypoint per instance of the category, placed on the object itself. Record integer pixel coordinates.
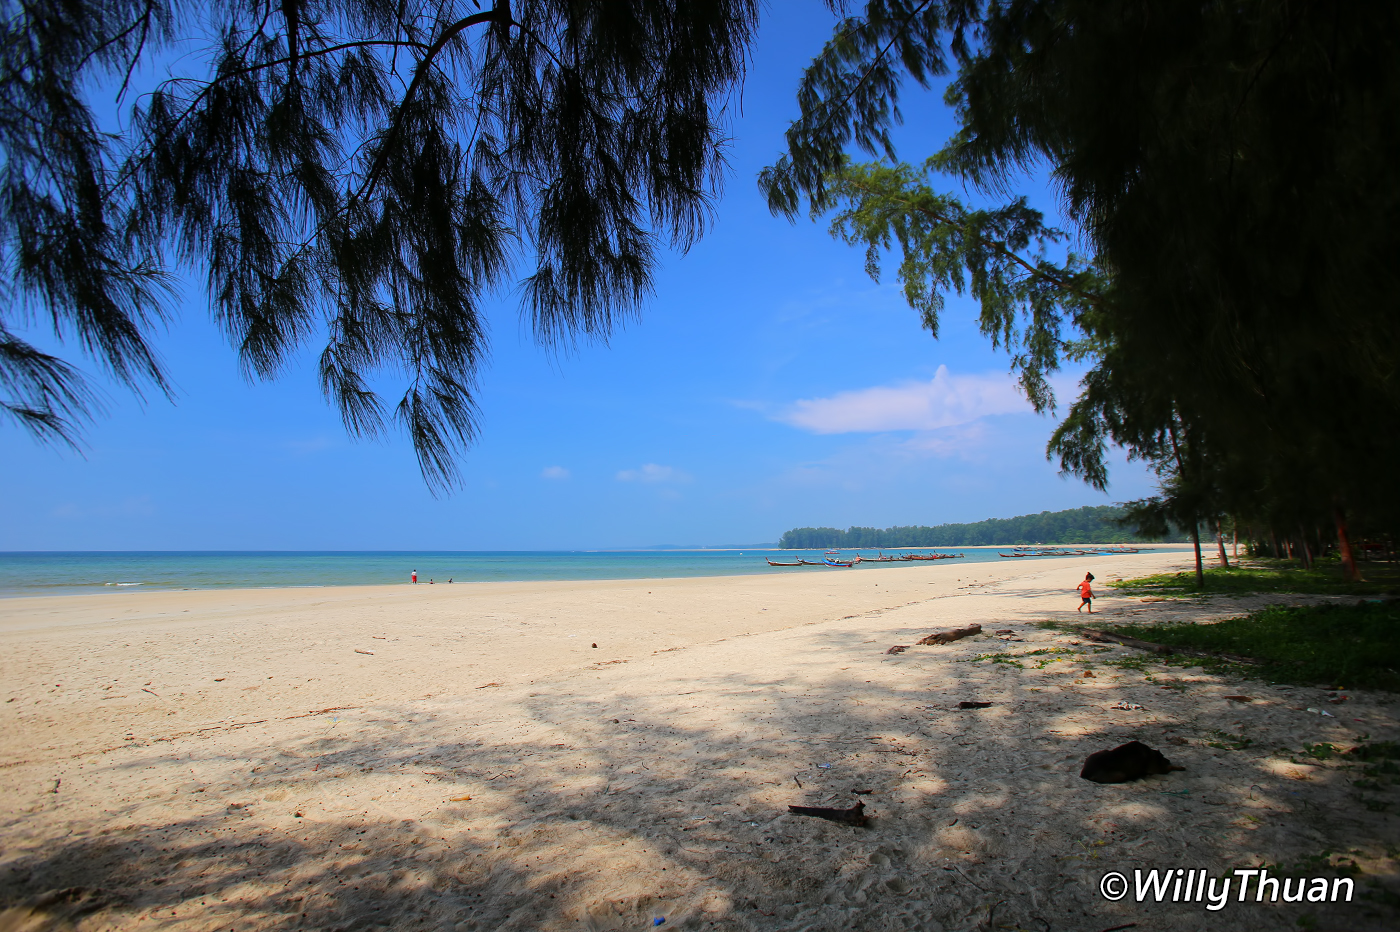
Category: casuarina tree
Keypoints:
(1227, 169)
(358, 174)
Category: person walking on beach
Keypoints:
(415, 577)
(1086, 592)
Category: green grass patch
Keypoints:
(1266, 576)
(1008, 659)
(1321, 751)
(1228, 742)
(1377, 750)
(1044, 656)
(1354, 646)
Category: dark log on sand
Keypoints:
(946, 637)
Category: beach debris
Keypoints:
(898, 649)
(1088, 674)
(488, 685)
(1322, 712)
(220, 679)
(370, 652)
(151, 691)
(459, 799)
(1124, 705)
(824, 766)
(852, 816)
(1239, 698)
(974, 705)
(1127, 762)
(862, 792)
(947, 637)
(595, 644)
(1005, 631)
(658, 920)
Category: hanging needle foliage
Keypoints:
(359, 174)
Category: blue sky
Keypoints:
(770, 384)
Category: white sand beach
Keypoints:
(462, 758)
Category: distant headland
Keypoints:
(1088, 525)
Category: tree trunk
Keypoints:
(1273, 542)
(1235, 539)
(1196, 543)
(1304, 553)
(1220, 545)
(1349, 568)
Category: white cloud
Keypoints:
(945, 401)
(554, 472)
(651, 472)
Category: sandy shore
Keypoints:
(462, 758)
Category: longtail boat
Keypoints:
(845, 563)
(775, 563)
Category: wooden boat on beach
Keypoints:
(843, 563)
(779, 563)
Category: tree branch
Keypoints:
(996, 246)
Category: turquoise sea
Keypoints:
(56, 573)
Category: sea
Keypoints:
(60, 573)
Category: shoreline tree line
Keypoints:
(1101, 524)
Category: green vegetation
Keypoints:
(1045, 656)
(1231, 191)
(1088, 525)
(1355, 646)
(1228, 742)
(1324, 578)
(367, 174)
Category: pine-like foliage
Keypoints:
(363, 173)
(1230, 168)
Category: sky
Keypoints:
(769, 384)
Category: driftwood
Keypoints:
(1094, 634)
(974, 705)
(852, 816)
(946, 637)
(898, 649)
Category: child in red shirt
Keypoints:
(1087, 593)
